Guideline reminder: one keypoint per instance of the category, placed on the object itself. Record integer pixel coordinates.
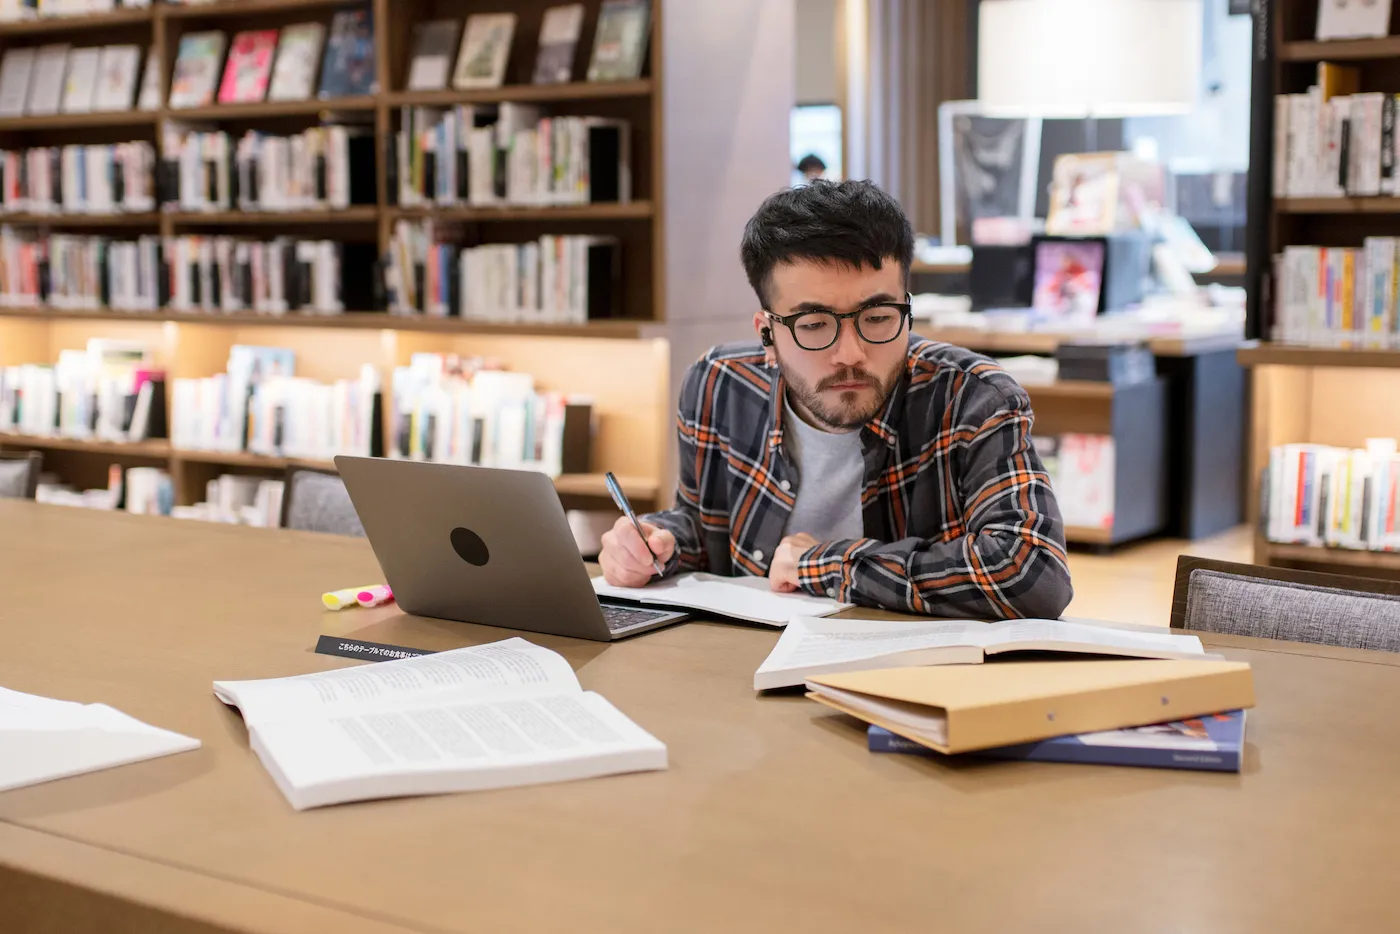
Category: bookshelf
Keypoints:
(1301, 393)
(698, 171)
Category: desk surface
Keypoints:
(772, 815)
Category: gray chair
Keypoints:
(316, 501)
(19, 473)
(1288, 604)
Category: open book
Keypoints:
(746, 598)
(42, 739)
(824, 646)
(489, 716)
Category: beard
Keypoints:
(849, 413)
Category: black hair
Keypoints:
(811, 161)
(851, 223)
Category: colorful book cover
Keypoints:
(249, 67)
(1214, 743)
(349, 68)
(298, 57)
(197, 69)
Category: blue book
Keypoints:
(1212, 743)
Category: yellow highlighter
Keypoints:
(340, 599)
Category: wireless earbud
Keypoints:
(766, 335)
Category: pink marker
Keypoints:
(374, 596)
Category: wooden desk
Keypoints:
(772, 817)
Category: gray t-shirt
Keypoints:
(831, 472)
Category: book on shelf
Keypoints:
(620, 41)
(76, 272)
(297, 63)
(434, 45)
(485, 51)
(500, 715)
(1337, 296)
(229, 274)
(249, 67)
(1211, 743)
(349, 69)
(1338, 19)
(98, 179)
(1335, 140)
(810, 647)
(150, 96)
(148, 491)
(1318, 495)
(559, 35)
(197, 67)
(966, 708)
(117, 72)
(16, 71)
(453, 411)
(46, 85)
(236, 499)
(80, 80)
(94, 393)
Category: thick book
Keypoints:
(965, 708)
(811, 647)
(559, 35)
(298, 62)
(620, 41)
(1212, 743)
(746, 598)
(434, 45)
(491, 716)
(485, 51)
(349, 66)
(249, 67)
(117, 72)
(80, 80)
(197, 68)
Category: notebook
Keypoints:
(80, 80)
(481, 63)
(620, 42)
(249, 67)
(745, 598)
(559, 34)
(490, 716)
(964, 708)
(434, 44)
(117, 72)
(197, 69)
(822, 646)
(298, 60)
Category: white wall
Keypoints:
(816, 51)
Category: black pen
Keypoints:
(620, 498)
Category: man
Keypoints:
(812, 167)
(843, 457)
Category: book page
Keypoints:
(822, 646)
(1031, 634)
(509, 668)
(455, 747)
(746, 598)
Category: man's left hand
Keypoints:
(782, 573)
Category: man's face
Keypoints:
(845, 385)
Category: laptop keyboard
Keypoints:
(625, 617)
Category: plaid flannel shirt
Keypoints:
(958, 512)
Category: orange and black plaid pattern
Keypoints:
(959, 516)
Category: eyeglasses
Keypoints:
(875, 324)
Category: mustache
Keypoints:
(855, 375)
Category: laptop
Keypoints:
(483, 545)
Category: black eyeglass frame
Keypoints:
(905, 308)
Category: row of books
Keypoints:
(510, 154)
(1081, 470)
(482, 56)
(455, 411)
(12, 11)
(1335, 141)
(109, 391)
(277, 65)
(1337, 296)
(98, 179)
(137, 490)
(324, 167)
(71, 272)
(1345, 498)
(237, 499)
(58, 78)
(259, 405)
(552, 280)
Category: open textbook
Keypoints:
(42, 739)
(488, 716)
(746, 598)
(824, 646)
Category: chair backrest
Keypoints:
(19, 473)
(1283, 603)
(316, 501)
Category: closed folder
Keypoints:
(962, 708)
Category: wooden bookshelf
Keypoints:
(1088, 535)
(1264, 353)
(1340, 560)
(673, 278)
(152, 449)
(1386, 205)
(1339, 50)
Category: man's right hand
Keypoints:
(624, 558)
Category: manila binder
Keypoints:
(962, 708)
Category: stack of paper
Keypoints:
(746, 598)
(42, 739)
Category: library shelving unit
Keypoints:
(708, 124)
(1326, 395)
